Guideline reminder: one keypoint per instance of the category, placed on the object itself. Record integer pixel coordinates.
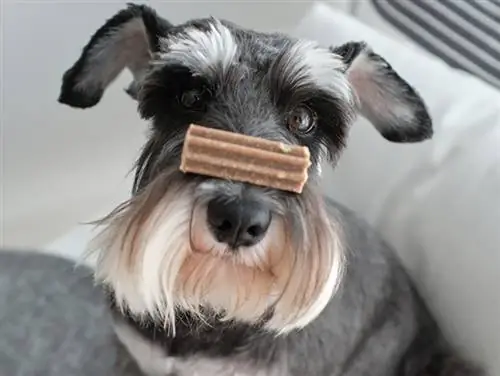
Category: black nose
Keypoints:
(238, 222)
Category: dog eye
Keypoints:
(301, 120)
(191, 98)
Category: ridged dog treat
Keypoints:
(233, 156)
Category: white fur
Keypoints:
(327, 260)
(153, 268)
(164, 247)
(320, 65)
(202, 51)
(329, 288)
(164, 251)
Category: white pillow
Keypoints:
(437, 202)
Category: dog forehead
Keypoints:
(213, 45)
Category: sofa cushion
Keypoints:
(438, 202)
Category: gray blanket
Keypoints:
(53, 321)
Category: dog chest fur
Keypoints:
(153, 360)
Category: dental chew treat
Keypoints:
(233, 156)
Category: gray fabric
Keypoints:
(53, 321)
(465, 33)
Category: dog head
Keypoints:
(188, 242)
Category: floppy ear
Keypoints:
(127, 40)
(395, 109)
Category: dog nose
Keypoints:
(238, 222)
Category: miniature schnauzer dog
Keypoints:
(212, 277)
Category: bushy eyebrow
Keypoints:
(208, 51)
(303, 65)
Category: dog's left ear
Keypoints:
(126, 40)
(395, 108)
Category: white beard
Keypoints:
(163, 259)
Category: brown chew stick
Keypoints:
(233, 156)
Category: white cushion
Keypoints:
(437, 202)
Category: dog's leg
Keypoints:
(450, 366)
(379, 341)
(429, 355)
(426, 354)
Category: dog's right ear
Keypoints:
(126, 40)
(387, 100)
